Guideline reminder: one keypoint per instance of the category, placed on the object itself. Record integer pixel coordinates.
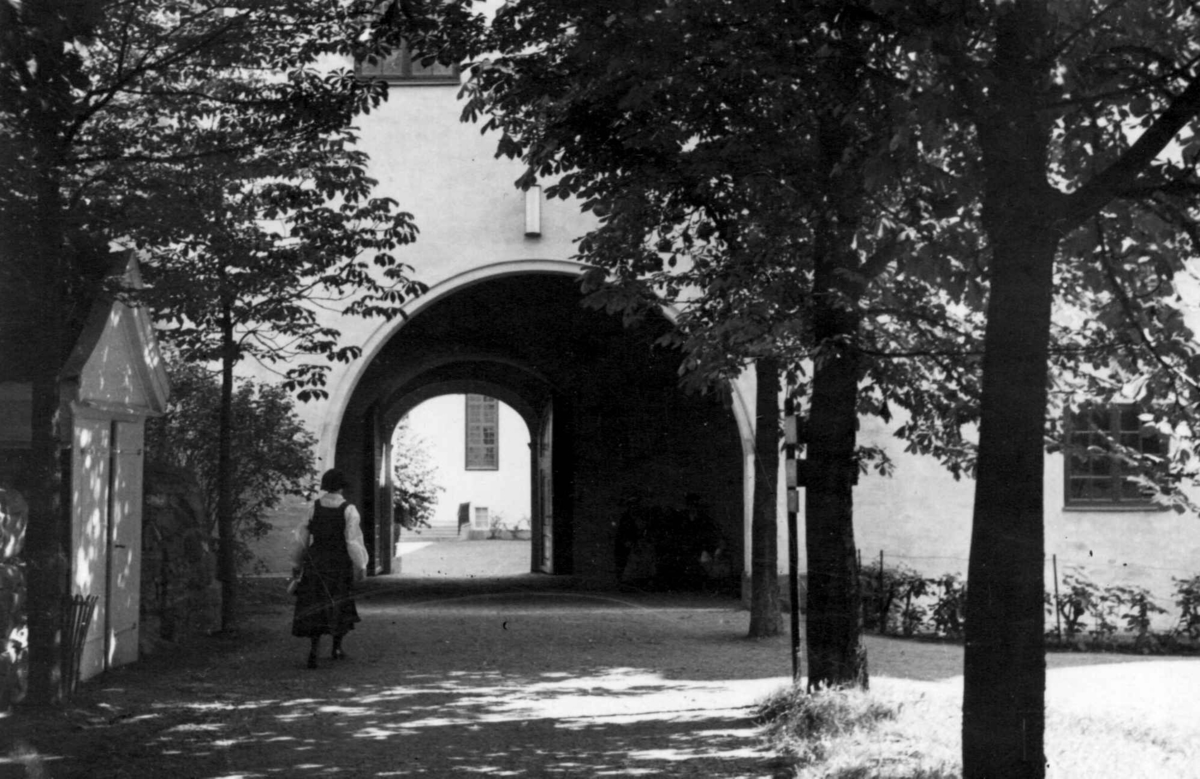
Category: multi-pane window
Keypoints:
(483, 433)
(1098, 472)
(402, 67)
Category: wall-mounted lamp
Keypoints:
(533, 211)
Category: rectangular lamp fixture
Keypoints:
(533, 211)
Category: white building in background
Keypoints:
(483, 467)
(502, 319)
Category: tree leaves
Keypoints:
(216, 138)
(272, 451)
(696, 135)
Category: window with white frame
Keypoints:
(1101, 444)
(483, 433)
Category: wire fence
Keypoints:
(1085, 598)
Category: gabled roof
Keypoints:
(116, 363)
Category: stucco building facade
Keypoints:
(605, 417)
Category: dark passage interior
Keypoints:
(608, 420)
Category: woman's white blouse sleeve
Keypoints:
(300, 540)
(354, 539)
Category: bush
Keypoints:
(890, 598)
(1077, 598)
(1093, 618)
(415, 487)
(271, 449)
(1187, 598)
(1139, 605)
(950, 609)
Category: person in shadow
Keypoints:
(330, 556)
(635, 554)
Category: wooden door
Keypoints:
(124, 580)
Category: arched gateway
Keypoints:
(606, 416)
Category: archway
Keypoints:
(607, 418)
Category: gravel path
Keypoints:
(525, 676)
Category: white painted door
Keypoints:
(124, 544)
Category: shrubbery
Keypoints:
(415, 486)
(897, 600)
(272, 451)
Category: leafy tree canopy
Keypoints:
(218, 137)
(143, 121)
(744, 166)
(415, 486)
(1105, 103)
(272, 451)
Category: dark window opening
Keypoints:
(1102, 442)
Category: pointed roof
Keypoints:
(116, 364)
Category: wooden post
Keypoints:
(1057, 613)
(793, 506)
(883, 602)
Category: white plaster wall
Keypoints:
(1145, 548)
(921, 517)
(441, 424)
(465, 205)
(470, 216)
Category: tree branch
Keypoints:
(1123, 173)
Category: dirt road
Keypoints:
(525, 676)
(518, 676)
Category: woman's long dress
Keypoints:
(324, 599)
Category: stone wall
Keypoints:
(14, 514)
(180, 593)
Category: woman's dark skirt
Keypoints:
(324, 604)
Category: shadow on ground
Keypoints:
(523, 676)
(520, 676)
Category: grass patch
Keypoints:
(854, 734)
(806, 727)
(912, 730)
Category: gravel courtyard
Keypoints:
(518, 675)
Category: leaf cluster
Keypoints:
(752, 166)
(415, 486)
(216, 136)
(272, 451)
(807, 180)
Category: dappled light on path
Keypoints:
(524, 677)
(447, 681)
(622, 722)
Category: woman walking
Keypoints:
(330, 555)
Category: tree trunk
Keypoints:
(764, 533)
(47, 539)
(227, 558)
(1004, 668)
(48, 535)
(836, 655)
